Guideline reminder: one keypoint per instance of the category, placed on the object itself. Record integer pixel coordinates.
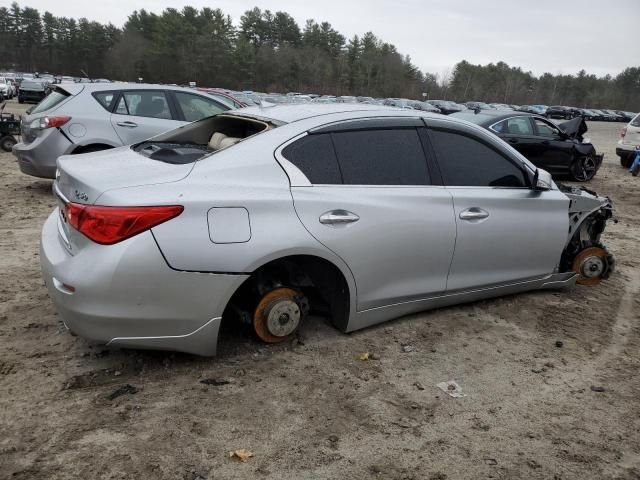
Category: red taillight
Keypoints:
(50, 122)
(109, 225)
(623, 132)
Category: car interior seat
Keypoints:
(220, 140)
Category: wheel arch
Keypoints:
(331, 278)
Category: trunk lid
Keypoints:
(84, 178)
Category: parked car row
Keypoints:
(77, 118)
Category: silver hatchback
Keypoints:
(262, 215)
(76, 118)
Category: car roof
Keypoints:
(288, 113)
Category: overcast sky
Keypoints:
(557, 36)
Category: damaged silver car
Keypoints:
(263, 215)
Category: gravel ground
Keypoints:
(310, 409)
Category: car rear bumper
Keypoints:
(39, 157)
(126, 295)
(625, 150)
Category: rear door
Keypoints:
(519, 133)
(364, 189)
(142, 114)
(506, 232)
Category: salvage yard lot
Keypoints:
(311, 408)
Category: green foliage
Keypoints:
(270, 52)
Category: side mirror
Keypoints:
(542, 180)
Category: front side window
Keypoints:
(145, 103)
(315, 157)
(467, 161)
(381, 157)
(195, 107)
(545, 129)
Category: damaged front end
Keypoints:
(583, 252)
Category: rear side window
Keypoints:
(315, 157)
(466, 161)
(381, 157)
(53, 99)
(145, 103)
(105, 99)
(514, 126)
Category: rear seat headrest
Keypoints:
(220, 140)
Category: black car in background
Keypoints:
(478, 106)
(592, 115)
(559, 111)
(626, 116)
(33, 90)
(559, 149)
(447, 107)
(607, 117)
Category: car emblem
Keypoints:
(81, 195)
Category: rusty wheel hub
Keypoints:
(278, 315)
(591, 265)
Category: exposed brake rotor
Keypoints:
(278, 314)
(593, 264)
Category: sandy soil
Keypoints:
(311, 409)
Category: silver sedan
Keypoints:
(360, 213)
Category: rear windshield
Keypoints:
(189, 143)
(53, 99)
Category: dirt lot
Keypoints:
(311, 409)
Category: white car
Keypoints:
(7, 90)
(629, 139)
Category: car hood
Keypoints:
(84, 178)
(575, 128)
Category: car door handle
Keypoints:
(127, 124)
(473, 213)
(545, 142)
(513, 140)
(338, 217)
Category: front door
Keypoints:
(370, 200)
(506, 231)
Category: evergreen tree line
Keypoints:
(271, 52)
